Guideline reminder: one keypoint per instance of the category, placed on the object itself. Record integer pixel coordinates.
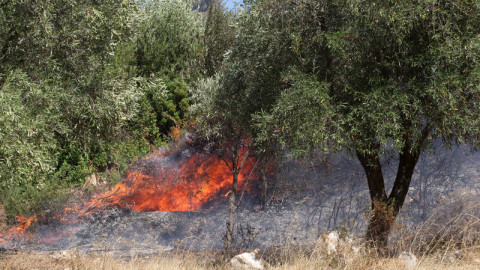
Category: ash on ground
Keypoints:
(305, 199)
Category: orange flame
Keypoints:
(185, 186)
(18, 231)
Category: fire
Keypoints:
(187, 187)
(162, 182)
(18, 231)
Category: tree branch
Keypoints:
(373, 169)
(407, 161)
(246, 183)
(226, 163)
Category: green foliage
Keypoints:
(214, 119)
(269, 39)
(307, 98)
(25, 199)
(65, 45)
(219, 36)
(59, 94)
(145, 122)
(375, 76)
(89, 86)
(62, 36)
(370, 73)
(28, 149)
(174, 107)
(127, 151)
(167, 54)
(27, 146)
(366, 76)
(169, 40)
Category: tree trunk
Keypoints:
(406, 167)
(264, 187)
(231, 214)
(385, 209)
(381, 221)
(231, 206)
(378, 227)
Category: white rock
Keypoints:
(57, 256)
(332, 239)
(247, 260)
(356, 249)
(409, 259)
(334, 243)
(91, 181)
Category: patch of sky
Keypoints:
(231, 3)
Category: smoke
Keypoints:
(176, 198)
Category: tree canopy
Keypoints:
(78, 94)
(366, 76)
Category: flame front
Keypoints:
(159, 185)
(18, 231)
(187, 187)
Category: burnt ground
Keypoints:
(305, 199)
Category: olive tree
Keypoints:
(223, 121)
(245, 84)
(379, 76)
(59, 91)
(219, 36)
(169, 39)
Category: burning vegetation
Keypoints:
(177, 180)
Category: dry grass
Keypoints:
(470, 259)
(373, 262)
(74, 260)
